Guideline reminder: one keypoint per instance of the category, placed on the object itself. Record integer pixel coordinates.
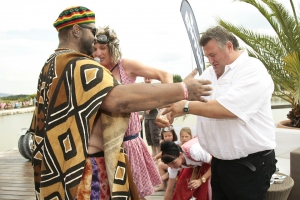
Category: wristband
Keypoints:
(185, 90)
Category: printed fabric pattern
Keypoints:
(94, 184)
(68, 98)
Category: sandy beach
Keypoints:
(16, 111)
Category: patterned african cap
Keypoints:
(74, 15)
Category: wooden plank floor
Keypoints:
(16, 178)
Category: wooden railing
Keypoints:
(281, 106)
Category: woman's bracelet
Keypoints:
(185, 90)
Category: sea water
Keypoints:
(10, 125)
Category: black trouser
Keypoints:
(243, 179)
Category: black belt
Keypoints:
(98, 154)
(130, 137)
(246, 163)
(260, 153)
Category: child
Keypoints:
(195, 164)
(185, 135)
(169, 134)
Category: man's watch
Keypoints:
(203, 180)
(186, 107)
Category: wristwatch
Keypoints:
(186, 107)
(203, 180)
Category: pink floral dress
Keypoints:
(144, 170)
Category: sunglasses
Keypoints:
(94, 30)
(166, 129)
(102, 39)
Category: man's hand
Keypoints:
(162, 120)
(170, 112)
(197, 88)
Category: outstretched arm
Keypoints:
(134, 69)
(158, 156)
(170, 188)
(137, 97)
(210, 109)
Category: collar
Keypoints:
(239, 60)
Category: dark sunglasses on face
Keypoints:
(102, 39)
(94, 30)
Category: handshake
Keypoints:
(166, 114)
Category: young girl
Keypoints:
(193, 180)
(169, 134)
(185, 135)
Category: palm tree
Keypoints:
(280, 53)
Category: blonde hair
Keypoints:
(187, 130)
(113, 44)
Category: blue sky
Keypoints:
(150, 31)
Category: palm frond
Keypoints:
(280, 53)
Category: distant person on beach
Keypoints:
(82, 113)
(152, 131)
(126, 71)
(193, 165)
(236, 124)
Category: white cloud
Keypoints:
(151, 31)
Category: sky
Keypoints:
(150, 31)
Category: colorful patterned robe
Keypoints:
(71, 88)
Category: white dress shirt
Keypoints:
(245, 89)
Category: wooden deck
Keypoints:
(16, 178)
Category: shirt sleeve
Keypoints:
(173, 172)
(199, 154)
(247, 91)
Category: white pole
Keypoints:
(192, 59)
